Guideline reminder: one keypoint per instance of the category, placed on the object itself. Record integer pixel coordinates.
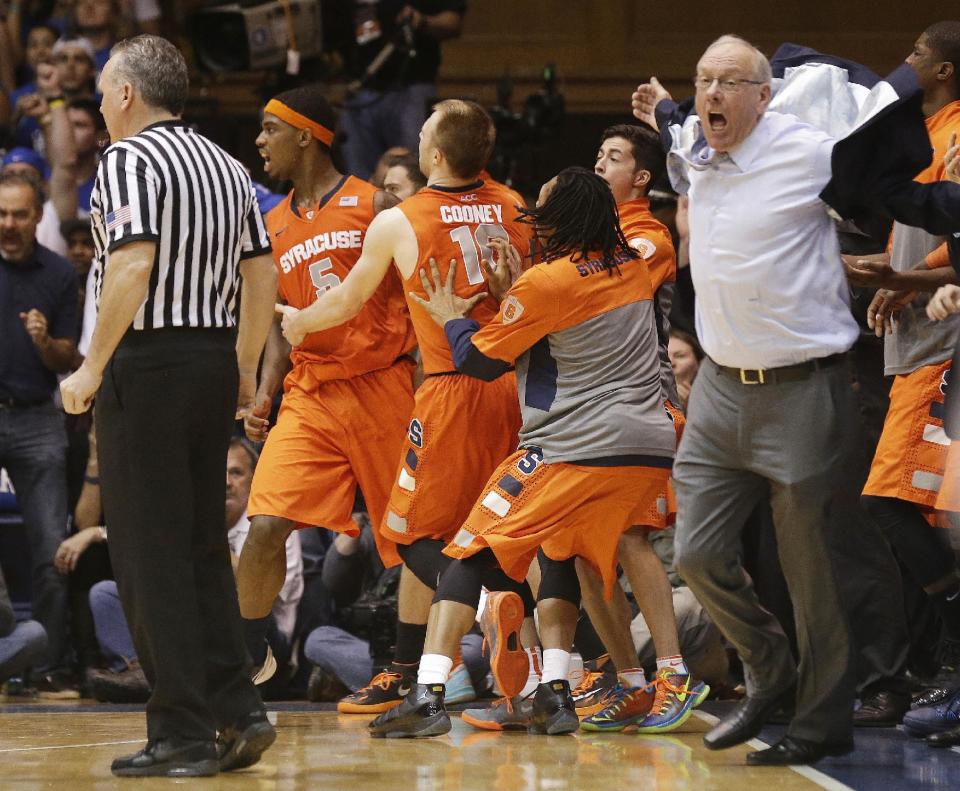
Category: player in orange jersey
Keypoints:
(460, 428)
(630, 160)
(349, 389)
(908, 467)
(595, 443)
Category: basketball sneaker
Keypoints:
(594, 692)
(676, 697)
(625, 707)
(504, 714)
(459, 687)
(501, 622)
(421, 713)
(385, 691)
(553, 712)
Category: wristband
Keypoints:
(93, 479)
(57, 101)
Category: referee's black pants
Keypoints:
(164, 416)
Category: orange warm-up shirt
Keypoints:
(940, 126)
(650, 238)
(456, 223)
(316, 253)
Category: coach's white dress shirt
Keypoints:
(764, 254)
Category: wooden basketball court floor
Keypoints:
(70, 746)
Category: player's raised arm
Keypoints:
(341, 303)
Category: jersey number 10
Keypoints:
(473, 247)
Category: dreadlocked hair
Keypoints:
(579, 218)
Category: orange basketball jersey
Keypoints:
(456, 223)
(650, 238)
(315, 253)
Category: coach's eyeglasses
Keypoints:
(728, 85)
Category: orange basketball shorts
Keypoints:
(948, 498)
(912, 453)
(331, 437)
(661, 511)
(460, 430)
(570, 510)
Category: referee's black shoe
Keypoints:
(240, 745)
(170, 758)
(422, 713)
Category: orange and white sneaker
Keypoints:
(501, 622)
(385, 691)
(597, 689)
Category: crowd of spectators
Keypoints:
(62, 628)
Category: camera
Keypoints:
(542, 114)
(251, 34)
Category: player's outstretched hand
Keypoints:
(505, 268)
(884, 309)
(256, 423)
(944, 303)
(442, 302)
(645, 100)
(873, 271)
(289, 325)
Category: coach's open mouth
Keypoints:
(717, 121)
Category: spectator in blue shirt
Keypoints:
(38, 324)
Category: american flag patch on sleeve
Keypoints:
(119, 217)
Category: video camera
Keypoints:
(542, 114)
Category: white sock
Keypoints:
(633, 677)
(556, 665)
(434, 669)
(675, 663)
(535, 658)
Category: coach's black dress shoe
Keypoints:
(793, 751)
(882, 709)
(169, 758)
(746, 720)
(240, 745)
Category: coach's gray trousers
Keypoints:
(795, 440)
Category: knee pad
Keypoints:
(425, 559)
(463, 579)
(558, 580)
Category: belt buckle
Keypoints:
(744, 379)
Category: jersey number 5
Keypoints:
(321, 276)
(473, 247)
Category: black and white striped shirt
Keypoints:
(170, 185)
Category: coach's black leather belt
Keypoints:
(786, 373)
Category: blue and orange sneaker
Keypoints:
(626, 706)
(676, 696)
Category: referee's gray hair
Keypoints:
(761, 66)
(157, 70)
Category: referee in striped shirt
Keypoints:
(177, 229)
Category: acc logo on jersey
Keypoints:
(645, 247)
(512, 309)
(415, 433)
(349, 200)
